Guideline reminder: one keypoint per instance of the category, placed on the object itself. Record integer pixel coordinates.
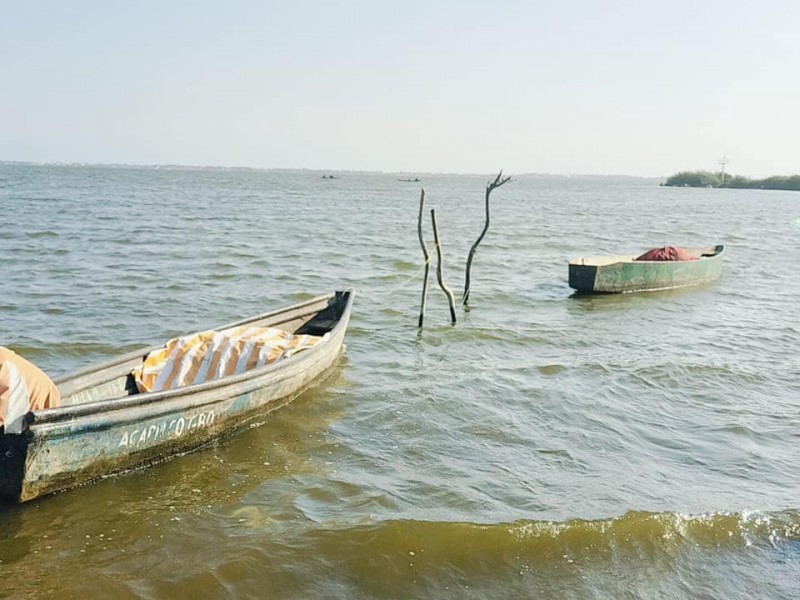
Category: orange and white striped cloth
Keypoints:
(210, 355)
(23, 387)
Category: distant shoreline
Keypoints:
(709, 179)
(318, 170)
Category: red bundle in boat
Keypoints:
(666, 253)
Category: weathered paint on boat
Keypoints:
(621, 274)
(102, 428)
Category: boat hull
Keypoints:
(66, 447)
(625, 276)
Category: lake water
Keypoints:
(547, 445)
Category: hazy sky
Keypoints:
(614, 87)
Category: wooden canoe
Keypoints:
(103, 426)
(621, 274)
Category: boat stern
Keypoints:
(582, 277)
(13, 455)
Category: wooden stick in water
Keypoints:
(498, 181)
(440, 268)
(427, 259)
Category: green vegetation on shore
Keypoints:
(710, 179)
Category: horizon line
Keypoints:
(314, 169)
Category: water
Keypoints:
(547, 445)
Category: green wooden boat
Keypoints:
(622, 274)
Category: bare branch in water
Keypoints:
(427, 259)
(440, 269)
(498, 181)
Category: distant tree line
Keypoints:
(711, 179)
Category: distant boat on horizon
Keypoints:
(408, 179)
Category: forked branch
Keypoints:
(492, 185)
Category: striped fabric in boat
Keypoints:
(211, 355)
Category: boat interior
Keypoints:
(115, 379)
(599, 261)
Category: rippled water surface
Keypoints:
(547, 445)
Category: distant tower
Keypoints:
(722, 162)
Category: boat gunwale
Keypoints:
(170, 397)
(595, 261)
(135, 353)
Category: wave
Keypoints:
(634, 534)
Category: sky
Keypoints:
(616, 87)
